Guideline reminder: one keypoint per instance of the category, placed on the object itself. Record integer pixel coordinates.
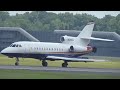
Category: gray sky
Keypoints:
(99, 14)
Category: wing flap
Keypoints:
(93, 38)
(74, 59)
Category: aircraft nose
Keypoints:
(6, 52)
(3, 51)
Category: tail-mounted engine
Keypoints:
(76, 48)
(62, 39)
(67, 39)
(71, 49)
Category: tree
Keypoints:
(46, 21)
(4, 15)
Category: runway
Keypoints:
(60, 69)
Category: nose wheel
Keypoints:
(17, 62)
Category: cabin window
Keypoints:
(11, 45)
(16, 45)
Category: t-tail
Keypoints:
(84, 37)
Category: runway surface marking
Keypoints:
(58, 69)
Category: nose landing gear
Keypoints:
(17, 61)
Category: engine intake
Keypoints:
(62, 39)
(71, 49)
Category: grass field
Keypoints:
(113, 63)
(27, 74)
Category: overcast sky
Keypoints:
(99, 14)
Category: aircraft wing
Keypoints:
(93, 38)
(73, 59)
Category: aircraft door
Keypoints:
(26, 50)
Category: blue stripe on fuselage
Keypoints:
(38, 56)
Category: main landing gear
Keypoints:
(17, 61)
(64, 64)
(44, 63)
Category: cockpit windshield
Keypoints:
(10, 45)
(15, 45)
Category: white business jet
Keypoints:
(69, 50)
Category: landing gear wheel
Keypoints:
(16, 64)
(64, 64)
(17, 61)
(45, 64)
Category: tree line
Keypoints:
(47, 21)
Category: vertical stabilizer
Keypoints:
(87, 30)
(86, 33)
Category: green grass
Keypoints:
(27, 74)
(4, 60)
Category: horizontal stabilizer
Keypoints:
(92, 38)
(74, 59)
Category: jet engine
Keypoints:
(67, 39)
(71, 49)
(76, 48)
(62, 39)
